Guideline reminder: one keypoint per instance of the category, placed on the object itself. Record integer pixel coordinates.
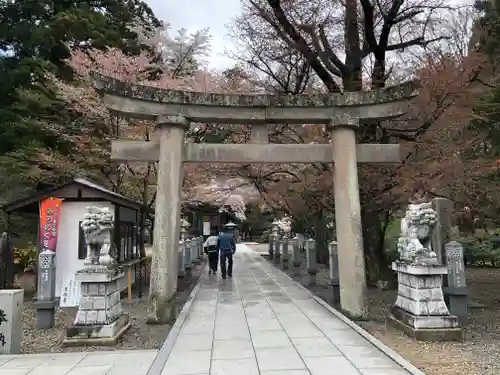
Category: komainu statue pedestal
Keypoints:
(100, 319)
(420, 310)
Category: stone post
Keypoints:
(348, 219)
(181, 271)
(187, 257)
(456, 292)
(194, 255)
(273, 238)
(183, 229)
(46, 301)
(285, 256)
(270, 249)
(11, 312)
(441, 233)
(312, 268)
(334, 271)
(277, 250)
(167, 216)
(199, 246)
(296, 256)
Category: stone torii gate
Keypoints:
(173, 110)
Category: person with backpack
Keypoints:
(211, 247)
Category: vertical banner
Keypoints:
(50, 210)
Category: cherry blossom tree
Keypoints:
(171, 64)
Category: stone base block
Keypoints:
(165, 312)
(97, 334)
(284, 263)
(99, 274)
(426, 328)
(311, 279)
(450, 334)
(336, 292)
(45, 313)
(296, 270)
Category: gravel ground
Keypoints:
(478, 354)
(139, 336)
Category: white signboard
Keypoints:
(70, 293)
(206, 228)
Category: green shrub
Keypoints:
(25, 257)
(264, 238)
(481, 251)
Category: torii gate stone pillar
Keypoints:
(348, 218)
(173, 110)
(163, 283)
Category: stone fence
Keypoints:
(288, 254)
(190, 253)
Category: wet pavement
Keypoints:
(122, 362)
(260, 322)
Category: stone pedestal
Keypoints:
(11, 304)
(181, 271)
(100, 319)
(296, 256)
(270, 249)
(187, 259)
(285, 253)
(420, 310)
(334, 271)
(277, 250)
(46, 301)
(312, 268)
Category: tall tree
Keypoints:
(349, 45)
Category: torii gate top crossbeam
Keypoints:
(146, 102)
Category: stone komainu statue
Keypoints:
(97, 227)
(414, 244)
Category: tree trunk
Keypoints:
(376, 260)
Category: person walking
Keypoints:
(211, 247)
(227, 247)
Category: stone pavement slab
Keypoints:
(260, 322)
(123, 362)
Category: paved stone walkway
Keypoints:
(124, 362)
(261, 322)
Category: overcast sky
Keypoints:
(194, 15)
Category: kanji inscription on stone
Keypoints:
(455, 263)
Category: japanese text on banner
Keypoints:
(50, 210)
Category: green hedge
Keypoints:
(481, 252)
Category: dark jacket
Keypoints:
(227, 243)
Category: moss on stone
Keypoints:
(110, 85)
